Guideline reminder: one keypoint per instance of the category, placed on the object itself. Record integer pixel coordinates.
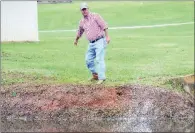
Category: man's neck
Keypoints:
(87, 16)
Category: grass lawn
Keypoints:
(144, 56)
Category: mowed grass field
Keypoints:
(142, 56)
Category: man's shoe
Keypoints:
(100, 82)
(94, 77)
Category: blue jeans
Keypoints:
(96, 51)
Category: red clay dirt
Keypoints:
(53, 98)
(97, 99)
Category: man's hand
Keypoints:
(107, 39)
(75, 42)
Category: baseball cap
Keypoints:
(83, 5)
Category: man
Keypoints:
(95, 30)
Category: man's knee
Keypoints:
(89, 62)
(99, 60)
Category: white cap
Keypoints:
(83, 5)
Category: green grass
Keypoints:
(146, 56)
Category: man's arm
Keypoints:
(79, 34)
(100, 21)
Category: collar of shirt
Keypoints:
(87, 17)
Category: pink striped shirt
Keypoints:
(93, 26)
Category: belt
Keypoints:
(96, 39)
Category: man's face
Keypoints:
(85, 12)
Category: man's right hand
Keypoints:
(75, 42)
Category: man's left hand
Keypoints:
(108, 39)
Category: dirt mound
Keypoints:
(29, 100)
(124, 108)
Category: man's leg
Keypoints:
(100, 54)
(89, 58)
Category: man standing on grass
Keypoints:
(95, 30)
